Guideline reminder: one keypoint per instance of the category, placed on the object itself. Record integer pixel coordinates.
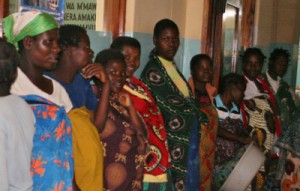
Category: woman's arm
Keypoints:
(100, 114)
(125, 101)
(233, 137)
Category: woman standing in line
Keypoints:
(201, 67)
(157, 158)
(36, 36)
(176, 102)
(88, 117)
(123, 137)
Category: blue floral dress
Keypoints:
(52, 166)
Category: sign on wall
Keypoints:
(82, 13)
(53, 7)
(14, 6)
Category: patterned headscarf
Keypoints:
(31, 23)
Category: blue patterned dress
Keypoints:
(52, 166)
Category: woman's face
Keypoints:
(167, 43)
(82, 54)
(238, 93)
(253, 66)
(203, 72)
(280, 66)
(132, 59)
(117, 75)
(43, 49)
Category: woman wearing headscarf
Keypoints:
(35, 34)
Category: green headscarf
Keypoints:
(31, 23)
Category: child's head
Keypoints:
(131, 49)
(74, 41)
(114, 65)
(201, 67)
(36, 35)
(278, 61)
(253, 60)
(9, 60)
(233, 85)
(166, 39)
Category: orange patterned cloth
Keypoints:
(208, 147)
(208, 139)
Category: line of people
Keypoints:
(157, 133)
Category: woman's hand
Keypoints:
(95, 70)
(125, 100)
(245, 140)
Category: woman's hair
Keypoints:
(121, 41)
(9, 60)
(163, 24)
(277, 53)
(253, 51)
(70, 35)
(230, 80)
(104, 56)
(198, 58)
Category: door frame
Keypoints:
(212, 31)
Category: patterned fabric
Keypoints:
(180, 114)
(228, 152)
(123, 152)
(52, 165)
(222, 173)
(265, 92)
(226, 149)
(31, 23)
(208, 146)
(256, 116)
(288, 162)
(209, 129)
(289, 144)
(211, 90)
(290, 179)
(157, 156)
(88, 151)
(284, 101)
(267, 88)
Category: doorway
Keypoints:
(230, 38)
